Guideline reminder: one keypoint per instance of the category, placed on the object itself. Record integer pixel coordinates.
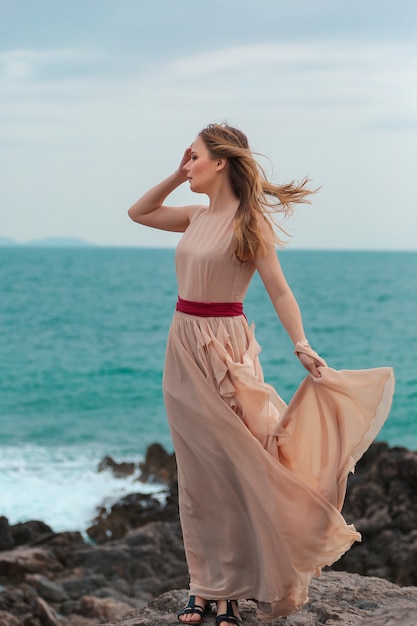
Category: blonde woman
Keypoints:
(261, 485)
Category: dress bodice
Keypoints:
(206, 265)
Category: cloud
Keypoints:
(49, 74)
(324, 74)
(46, 99)
(364, 82)
(293, 57)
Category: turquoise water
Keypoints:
(82, 347)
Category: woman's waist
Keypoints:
(209, 309)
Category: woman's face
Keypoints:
(201, 169)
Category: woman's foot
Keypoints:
(195, 610)
(228, 613)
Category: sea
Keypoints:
(82, 343)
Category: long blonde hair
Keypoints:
(256, 194)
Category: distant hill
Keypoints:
(47, 242)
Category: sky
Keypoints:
(100, 98)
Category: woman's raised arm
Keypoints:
(149, 210)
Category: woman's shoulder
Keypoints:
(196, 210)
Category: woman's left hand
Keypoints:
(311, 364)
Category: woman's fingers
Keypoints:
(310, 364)
(185, 158)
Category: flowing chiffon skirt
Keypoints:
(261, 485)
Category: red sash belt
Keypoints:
(210, 309)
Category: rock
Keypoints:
(158, 466)
(119, 470)
(120, 575)
(78, 586)
(18, 600)
(6, 619)
(171, 511)
(335, 598)
(137, 509)
(153, 555)
(381, 501)
(103, 608)
(45, 613)
(15, 564)
(6, 537)
(66, 540)
(62, 545)
(394, 615)
(28, 532)
(133, 510)
(47, 589)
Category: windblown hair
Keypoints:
(256, 194)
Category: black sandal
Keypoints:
(192, 607)
(229, 616)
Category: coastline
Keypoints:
(134, 552)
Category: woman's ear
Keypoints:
(221, 164)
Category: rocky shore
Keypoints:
(134, 567)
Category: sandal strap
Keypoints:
(192, 607)
(229, 616)
(230, 619)
(196, 609)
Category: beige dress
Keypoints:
(261, 484)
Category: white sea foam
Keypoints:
(59, 486)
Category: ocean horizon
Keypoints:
(76, 242)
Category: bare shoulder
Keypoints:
(194, 209)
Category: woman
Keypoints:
(261, 485)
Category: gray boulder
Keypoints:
(336, 598)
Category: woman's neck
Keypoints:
(223, 199)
